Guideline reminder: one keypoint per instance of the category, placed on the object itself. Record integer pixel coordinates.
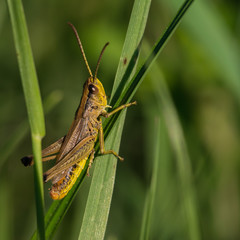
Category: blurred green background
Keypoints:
(201, 67)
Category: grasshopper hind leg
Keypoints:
(102, 148)
(101, 135)
(49, 153)
(27, 161)
(103, 152)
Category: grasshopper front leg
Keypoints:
(101, 135)
(101, 143)
(106, 114)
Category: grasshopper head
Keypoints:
(97, 92)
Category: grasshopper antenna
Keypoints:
(99, 59)
(81, 47)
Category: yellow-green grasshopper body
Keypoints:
(72, 151)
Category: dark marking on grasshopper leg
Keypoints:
(27, 161)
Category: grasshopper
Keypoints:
(72, 151)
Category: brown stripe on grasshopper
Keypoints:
(72, 151)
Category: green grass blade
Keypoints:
(27, 68)
(33, 100)
(218, 43)
(133, 38)
(150, 197)
(176, 135)
(139, 76)
(129, 90)
(100, 195)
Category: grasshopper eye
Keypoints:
(92, 89)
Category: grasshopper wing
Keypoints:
(79, 152)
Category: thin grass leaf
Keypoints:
(135, 82)
(27, 68)
(32, 98)
(150, 196)
(175, 131)
(163, 210)
(59, 208)
(130, 88)
(217, 42)
(132, 41)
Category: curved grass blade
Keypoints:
(176, 135)
(32, 98)
(218, 43)
(150, 197)
(135, 82)
(58, 208)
